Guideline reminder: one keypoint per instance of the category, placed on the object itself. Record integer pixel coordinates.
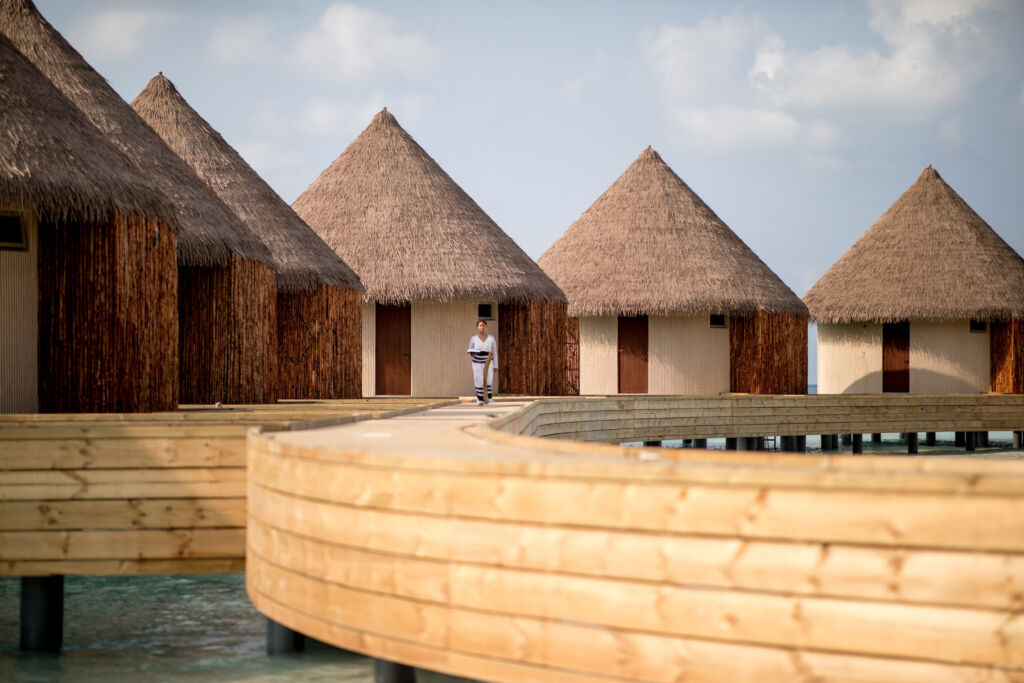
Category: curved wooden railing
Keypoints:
(140, 493)
(440, 542)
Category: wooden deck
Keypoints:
(152, 493)
(439, 541)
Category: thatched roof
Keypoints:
(649, 245)
(410, 231)
(54, 161)
(208, 232)
(301, 258)
(930, 257)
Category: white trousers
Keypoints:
(478, 380)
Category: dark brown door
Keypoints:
(633, 354)
(896, 357)
(394, 350)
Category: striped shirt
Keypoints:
(478, 350)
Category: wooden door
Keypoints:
(633, 354)
(394, 350)
(896, 357)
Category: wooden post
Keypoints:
(969, 440)
(801, 443)
(652, 443)
(700, 443)
(392, 672)
(687, 442)
(912, 442)
(281, 639)
(847, 439)
(982, 439)
(929, 438)
(858, 443)
(1018, 439)
(730, 443)
(826, 442)
(876, 438)
(42, 613)
(959, 439)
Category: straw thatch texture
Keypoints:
(320, 343)
(227, 329)
(107, 316)
(208, 233)
(929, 257)
(1006, 354)
(532, 338)
(650, 246)
(410, 231)
(53, 160)
(301, 258)
(768, 353)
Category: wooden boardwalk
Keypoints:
(437, 541)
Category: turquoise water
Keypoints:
(167, 628)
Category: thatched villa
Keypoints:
(318, 306)
(670, 300)
(433, 263)
(226, 297)
(88, 320)
(930, 300)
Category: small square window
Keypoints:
(717, 320)
(978, 326)
(12, 232)
(483, 311)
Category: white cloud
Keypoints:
(573, 89)
(244, 40)
(724, 128)
(269, 159)
(117, 33)
(354, 43)
(935, 50)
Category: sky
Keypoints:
(798, 122)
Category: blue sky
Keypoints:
(798, 122)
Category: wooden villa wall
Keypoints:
(1006, 352)
(534, 349)
(319, 335)
(108, 318)
(19, 323)
(768, 353)
(227, 328)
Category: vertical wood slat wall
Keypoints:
(319, 335)
(534, 342)
(227, 327)
(1006, 353)
(768, 353)
(108, 319)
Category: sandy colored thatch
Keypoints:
(302, 260)
(208, 232)
(649, 245)
(410, 231)
(53, 160)
(929, 257)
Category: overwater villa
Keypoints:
(87, 262)
(225, 281)
(930, 300)
(670, 300)
(319, 307)
(433, 263)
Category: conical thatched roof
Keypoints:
(931, 257)
(649, 245)
(301, 258)
(410, 231)
(208, 232)
(53, 160)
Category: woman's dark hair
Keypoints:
(481, 321)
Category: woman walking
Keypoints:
(483, 350)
